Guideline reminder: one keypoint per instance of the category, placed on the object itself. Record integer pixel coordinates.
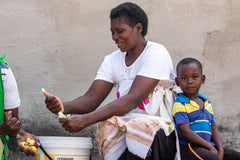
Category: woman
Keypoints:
(140, 68)
(10, 126)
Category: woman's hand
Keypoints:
(11, 125)
(28, 150)
(53, 103)
(74, 123)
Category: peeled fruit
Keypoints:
(34, 148)
(23, 144)
(29, 143)
(61, 115)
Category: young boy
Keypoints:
(198, 135)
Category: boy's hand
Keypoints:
(11, 124)
(221, 154)
(213, 150)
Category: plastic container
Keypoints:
(64, 148)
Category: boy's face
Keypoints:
(190, 78)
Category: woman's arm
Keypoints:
(140, 89)
(95, 95)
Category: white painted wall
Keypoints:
(59, 45)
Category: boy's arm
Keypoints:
(217, 140)
(194, 138)
(180, 115)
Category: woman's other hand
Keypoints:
(53, 103)
(74, 123)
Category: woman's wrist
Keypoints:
(21, 132)
(93, 117)
(89, 119)
(2, 130)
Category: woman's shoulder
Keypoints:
(154, 44)
(5, 70)
(155, 47)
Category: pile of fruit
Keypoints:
(29, 143)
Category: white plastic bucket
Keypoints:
(64, 148)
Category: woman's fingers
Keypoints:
(54, 103)
(63, 120)
(13, 125)
(8, 115)
(72, 124)
(27, 150)
(65, 124)
(61, 104)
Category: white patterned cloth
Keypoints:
(136, 130)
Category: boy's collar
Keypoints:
(185, 99)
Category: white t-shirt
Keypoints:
(154, 62)
(10, 88)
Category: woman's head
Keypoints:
(131, 14)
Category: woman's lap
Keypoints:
(163, 147)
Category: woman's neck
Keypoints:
(133, 54)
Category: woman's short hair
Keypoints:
(132, 13)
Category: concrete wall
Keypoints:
(59, 45)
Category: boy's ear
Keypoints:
(176, 81)
(203, 79)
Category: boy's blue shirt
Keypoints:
(200, 120)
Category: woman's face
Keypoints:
(124, 35)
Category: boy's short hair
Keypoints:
(132, 13)
(189, 60)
